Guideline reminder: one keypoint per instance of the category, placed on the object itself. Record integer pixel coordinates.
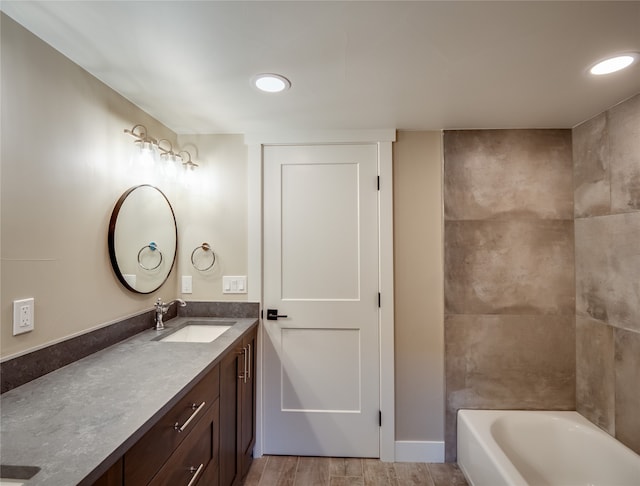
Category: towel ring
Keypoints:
(152, 247)
(205, 247)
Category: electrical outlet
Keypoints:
(23, 316)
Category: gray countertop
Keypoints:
(81, 418)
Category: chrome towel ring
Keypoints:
(153, 248)
(205, 247)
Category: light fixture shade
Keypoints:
(614, 64)
(271, 83)
(170, 166)
(170, 161)
(148, 154)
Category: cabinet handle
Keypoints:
(177, 427)
(196, 472)
(248, 373)
(242, 353)
(243, 373)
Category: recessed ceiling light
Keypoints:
(613, 64)
(271, 83)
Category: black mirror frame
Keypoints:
(112, 244)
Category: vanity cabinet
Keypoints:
(237, 410)
(207, 438)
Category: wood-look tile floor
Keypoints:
(330, 471)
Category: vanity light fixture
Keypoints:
(149, 147)
(271, 83)
(614, 64)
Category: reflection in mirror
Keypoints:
(143, 239)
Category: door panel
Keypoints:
(327, 249)
(321, 363)
(320, 359)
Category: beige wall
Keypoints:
(606, 160)
(65, 162)
(419, 314)
(215, 212)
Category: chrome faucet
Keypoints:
(161, 310)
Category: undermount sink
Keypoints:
(197, 332)
(16, 475)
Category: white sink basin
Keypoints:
(11, 482)
(196, 333)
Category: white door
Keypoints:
(321, 377)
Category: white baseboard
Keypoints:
(419, 451)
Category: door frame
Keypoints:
(383, 139)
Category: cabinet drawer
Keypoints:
(148, 455)
(195, 457)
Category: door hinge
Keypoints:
(261, 313)
(379, 300)
(378, 183)
(379, 418)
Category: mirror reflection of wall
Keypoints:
(143, 239)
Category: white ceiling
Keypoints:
(353, 65)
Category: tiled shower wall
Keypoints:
(606, 157)
(509, 272)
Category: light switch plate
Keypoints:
(23, 316)
(187, 284)
(234, 285)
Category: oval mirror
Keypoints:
(143, 239)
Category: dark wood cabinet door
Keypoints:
(230, 369)
(248, 405)
(113, 477)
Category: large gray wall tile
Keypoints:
(505, 362)
(606, 159)
(591, 176)
(510, 361)
(509, 267)
(595, 372)
(624, 136)
(608, 269)
(607, 258)
(506, 174)
(627, 363)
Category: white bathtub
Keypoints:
(531, 448)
